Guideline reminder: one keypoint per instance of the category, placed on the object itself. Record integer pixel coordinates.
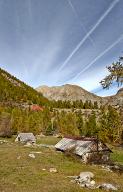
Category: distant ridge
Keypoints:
(67, 92)
(75, 92)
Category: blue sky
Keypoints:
(54, 42)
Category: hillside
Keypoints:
(116, 100)
(67, 92)
(13, 91)
(74, 92)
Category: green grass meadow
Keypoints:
(21, 173)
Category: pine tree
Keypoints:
(80, 124)
(91, 125)
(17, 120)
(95, 105)
(110, 125)
(5, 125)
(67, 123)
(114, 124)
(115, 74)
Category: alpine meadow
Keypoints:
(61, 95)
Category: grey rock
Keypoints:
(92, 182)
(43, 169)
(53, 170)
(32, 155)
(86, 176)
(87, 185)
(107, 186)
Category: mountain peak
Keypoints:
(75, 92)
(67, 92)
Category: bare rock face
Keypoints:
(74, 92)
(67, 92)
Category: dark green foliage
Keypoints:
(49, 130)
(5, 124)
(14, 119)
(110, 125)
(78, 104)
(95, 105)
(18, 120)
(80, 124)
(67, 124)
(115, 74)
(91, 125)
(86, 105)
(13, 90)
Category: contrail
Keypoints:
(89, 33)
(99, 56)
(82, 25)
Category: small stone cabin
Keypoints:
(89, 149)
(25, 137)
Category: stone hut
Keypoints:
(25, 137)
(89, 149)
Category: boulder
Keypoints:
(107, 186)
(32, 155)
(53, 170)
(92, 182)
(85, 180)
(86, 176)
(43, 169)
(88, 185)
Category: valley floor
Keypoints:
(19, 172)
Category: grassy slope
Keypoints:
(49, 140)
(117, 155)
(26, 174)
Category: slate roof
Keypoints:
(81, 146)
(25, 137)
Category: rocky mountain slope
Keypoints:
(74, 92)
(116, 99)
(14, 91)
(67, 92)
